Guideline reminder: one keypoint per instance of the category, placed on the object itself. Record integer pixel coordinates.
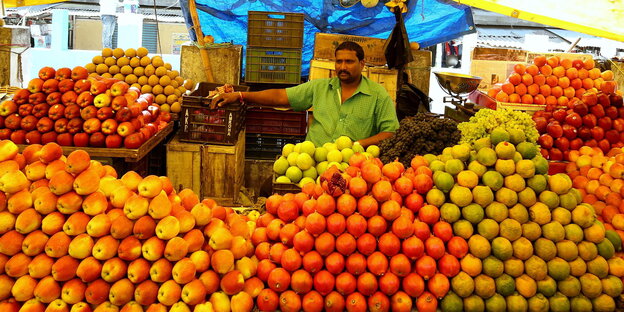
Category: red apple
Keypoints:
(135, 109)
(574, 120)
(40, 110)
(148, 97)
(37, 98)
(569, 131)
(72, 111)
(165, 116)
(97, 87)
(616, 100)
(5, 133)
(603, 99)
(54, 98)
(46, 73)
(65, 139)
(612, 112)
(50, 86)
(146, 116)
(576, 144)
(146, 132)
(35, 85)
(60, 125)
(555, 154)
(584, 133)
(79, 73)
(114, 140)
(48, 137)
(124, 114)
(81, 139)
(554, 129)
(88, 112)
(563, 144)
(597, 133)
(540, 124)
(118, 102)
(546, 141)
(66, 85)
(13, 121)
(63, 73)
(84, 99)
(137, 123)
(56, 111)
(133, 140)
(92, 125)
(605, 123)
(75, 125)
(119, 88)
(97, 139)
(109, 126)
(69, 97)
(23, 110)
(45, 124)
(18, 136)
(29, 122)
(105, 113)
(597, 110)
(33, 137)
(604, 145)
(21, 96)
(590, 98)
(125, 128)
(559, 115)
(590, 121)
(82, 85)
(613, 136)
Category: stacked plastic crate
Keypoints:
(274, 43)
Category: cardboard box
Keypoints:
(325, 45)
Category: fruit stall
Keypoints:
(121, 189)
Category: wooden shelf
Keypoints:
(129, 155)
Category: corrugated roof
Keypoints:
(513, 37)
(87, 10)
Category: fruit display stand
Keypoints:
(214, 171)
(123, 159)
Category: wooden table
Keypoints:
(129, 155)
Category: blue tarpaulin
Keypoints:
(428, 22)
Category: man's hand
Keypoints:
(224, 99)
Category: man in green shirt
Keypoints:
(349, 104)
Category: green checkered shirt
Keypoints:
(367, 112)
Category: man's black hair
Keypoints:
(351, 46)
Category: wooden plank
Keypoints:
(325, 45)
(493, 54)
(223, 169)
(6, 36)
(618, 73)
(184, 165)
(129, 155)
(226, 64)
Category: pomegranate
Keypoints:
(448, 265)
(414, 202)
(403, 227)
(291, 260)
(356, 264)
(434, 247)
(413, 284)
(429, 214)
(312, 302)
(289, 301)
(312, 261)
(438, 285)
(366, 244)
(267, 299)
(389, 283)
(324, 282)
(288, 210)
(401, 302)
(303, 241)
(457, 246)
(345, 283)
(443, 230)
(367, 284)
(356, 225)
(325, 205)
(400, 265)
(389, 244)
(287, 233)
(426, 267)
(356, 302)
(334, 302)
(368, 206)
(413, 248)
(427, 303)
(346, 204)
(378, 302)
(335, 263)
(421, 230)
(336, 223)
(301, 282)
(377, 263)
(377, 225)
(315, 224)
(279, 280)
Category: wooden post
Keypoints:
(200, 39)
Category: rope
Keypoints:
(9, 48)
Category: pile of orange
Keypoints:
(552, 81)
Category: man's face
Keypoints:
(348, 67)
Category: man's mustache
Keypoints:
(343, 72)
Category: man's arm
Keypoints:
(375, 139)
(271, 97)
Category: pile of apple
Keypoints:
(553, 81)
(370, 245)
(595, 120)
(74, 236)
(74, 109)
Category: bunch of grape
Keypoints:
(419, 135)
(486, 120)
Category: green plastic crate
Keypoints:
(268, 65)
(275, 30)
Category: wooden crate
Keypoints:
(384, 76)
(226, 64)
(325, 45)
(184, 165)
(223, 170)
